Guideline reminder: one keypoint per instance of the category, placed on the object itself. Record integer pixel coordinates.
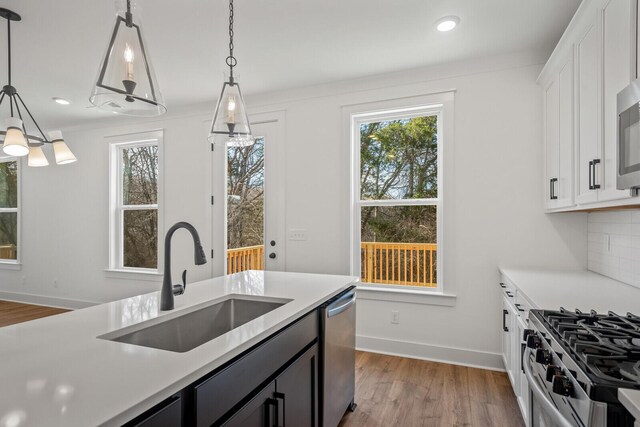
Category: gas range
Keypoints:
(579, 361)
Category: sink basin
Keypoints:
(187, 331)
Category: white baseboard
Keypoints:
(72, 304)
(455, 356)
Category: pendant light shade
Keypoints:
(15, 144)
(230, 121)
(60, 149)
(230, 118)
(37, 158)
(126, 83)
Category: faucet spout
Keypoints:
(167, 292)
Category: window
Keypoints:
(9, 200)
(135, 190)
(398, 196)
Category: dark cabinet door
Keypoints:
(258, 412)
(297, 387)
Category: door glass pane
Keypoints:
(399, 159)
(140, 235)
(399, 245)
(140, 175)
(8, 235)
(8, 184)
(245, 207)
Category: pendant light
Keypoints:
(126, 83)
(230, 119)
(16, 141)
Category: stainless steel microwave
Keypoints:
(629, 137)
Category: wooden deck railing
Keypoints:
(247, 258)
(8, 252)
(412, 264)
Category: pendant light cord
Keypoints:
(128, 15)
(9, 49)
(231, 60)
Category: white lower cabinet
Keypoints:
(514, 322)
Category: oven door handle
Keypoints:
(548, 407)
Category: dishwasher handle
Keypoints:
(341, 304)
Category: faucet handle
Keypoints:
(179, 289)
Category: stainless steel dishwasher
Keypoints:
(338, 362)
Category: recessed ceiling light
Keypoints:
(61, 101)
(447, 23)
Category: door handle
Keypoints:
(590, 175)
(504, 320)
(552, 192)
(271, 412)
(279, 397)
(595, 162)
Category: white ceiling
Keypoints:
(280, 44)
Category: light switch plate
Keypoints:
(297, 234)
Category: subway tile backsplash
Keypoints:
(614, 245)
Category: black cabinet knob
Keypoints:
(552, 371)
(534, 341)
(543, 357)
(272, 255)
(272, 243)
(562, 385)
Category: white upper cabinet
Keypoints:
(594, 60)
(588, 112)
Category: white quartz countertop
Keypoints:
(56, 372)
(571, 289)
(584, 290)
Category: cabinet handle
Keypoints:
(590, 175)
(595, 162)
(552, 189)
(502, 285)
(504, 320)
(279, 409)
(271, 413)
(509, 294)
(519, 307)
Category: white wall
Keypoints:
(493, 207)
(614, 245)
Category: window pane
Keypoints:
(245, 207)
(399, 159)
(8, 235)
(399, 245)
(140, 235)
(140, 175)
(8, 184)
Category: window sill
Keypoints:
(148, 275)
(10, 265)
(379, 293)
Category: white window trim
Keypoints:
(10, 264)
(115, 267)
(440, 104)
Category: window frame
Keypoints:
(396, 112)
(117, 208)
(15, 263)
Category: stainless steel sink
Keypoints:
(188, 331)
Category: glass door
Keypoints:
(253, 200)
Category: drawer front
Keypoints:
(217, 395)
(168, 414)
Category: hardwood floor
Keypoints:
(397, 391)
(15, 312)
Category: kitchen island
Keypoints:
(56, 371)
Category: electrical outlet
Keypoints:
(297, 234)
(395, 317)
